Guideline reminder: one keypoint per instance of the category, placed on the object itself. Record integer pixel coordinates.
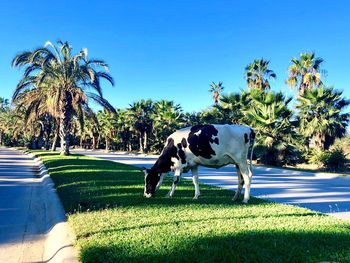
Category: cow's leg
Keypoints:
(197, 193)
(173, 186)
(243, 167)
(161, 177)
(240, 184)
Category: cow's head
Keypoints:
(151, 181)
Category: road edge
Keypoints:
(59, 240)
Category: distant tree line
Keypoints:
(50, 107)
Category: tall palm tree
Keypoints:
(272, 120)
(305, 72)
(69, 77)
(321, 115)
(257, 74)
(216, 89)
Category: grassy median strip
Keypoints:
(114, 223)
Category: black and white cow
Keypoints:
(205, 145)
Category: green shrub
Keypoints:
(332, 160)
(343, 143)
(273, 156)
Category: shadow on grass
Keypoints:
(249, 246)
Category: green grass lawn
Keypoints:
(114, 223)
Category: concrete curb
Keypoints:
(59, 239)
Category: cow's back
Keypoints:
(233, 141)
(213, 145)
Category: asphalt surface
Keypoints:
(319, 192)
(21, 209)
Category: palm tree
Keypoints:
(108, 124)
(272, 121)
(90, 127)
(13, 127)
(233, 107)
(68, 77)
(4, 107)
(216, 89)
(167, 117)
(305, 72)
(257, 74)
(124, 127)
(4, 104)
(321, 117)
(140, 112)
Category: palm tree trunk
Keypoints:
(65, 122)
(141, 144)
(145, 141)
(40, 140)
(93, 142)
(302, 88)
(0, 137)
(64, 135)
(47, 141)
(107, 143)
(98, 140)
(319, 141)
(55, 138)
(54, 142)
(48, 130)
(32, 142)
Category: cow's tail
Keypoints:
(251, 148)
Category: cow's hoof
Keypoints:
(196, 197)
(168, 196)
(245, 202)
(234, 199)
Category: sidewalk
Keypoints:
(29, 222)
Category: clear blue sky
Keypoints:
(173, 49)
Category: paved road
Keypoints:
(317, 192)
(21, 227)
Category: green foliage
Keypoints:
(59, 83)
(321, 115)
(216, 89)
(257, 75)
(342, 143)
(331, 160)
(114, 223)
(167, 118)
(233, 107)
(53, 95)
(271, 119)
(305, 72)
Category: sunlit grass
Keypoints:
(114, 223)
